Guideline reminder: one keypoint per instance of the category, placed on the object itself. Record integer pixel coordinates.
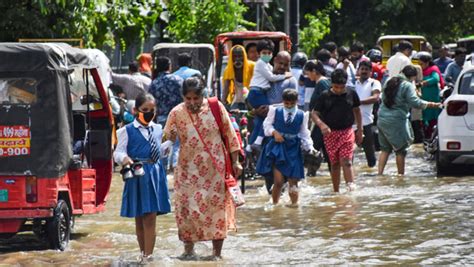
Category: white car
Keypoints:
(456, 124)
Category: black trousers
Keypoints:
(318, 143)
(368, 144)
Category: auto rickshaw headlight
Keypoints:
(31, 189)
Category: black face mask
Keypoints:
(146, 117)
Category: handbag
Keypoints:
(229, 179)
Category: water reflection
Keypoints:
(415, 219)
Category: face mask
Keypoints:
(193, 108)
(146, 117)
(292, 110)
(266, 58)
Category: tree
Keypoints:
(98, 22)
(319, 25)
(366, 20)
(199, 21)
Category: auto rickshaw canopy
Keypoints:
(388, 42)
(241, 37)
(35, 97)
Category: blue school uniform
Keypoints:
(286, 156)
(148, 193)
(257, 97)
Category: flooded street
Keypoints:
(415, 219)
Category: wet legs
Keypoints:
(278, 181)
(217, 247)
(347, 170)
(145, 231)
(293, 191)
(399, 158)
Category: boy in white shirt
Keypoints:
(260, 84)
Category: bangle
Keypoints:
(235, 163)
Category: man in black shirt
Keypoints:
(334, 113)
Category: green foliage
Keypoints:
(318, 27)
(366, 20)
(199, 21)
(98, 22)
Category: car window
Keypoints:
(78, 89)
(467, 84)
(17, 91)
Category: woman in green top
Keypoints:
(430, 88)
(395, 132)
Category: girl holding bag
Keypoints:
(145, 193)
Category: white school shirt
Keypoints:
(122, 136)
(263, 75)
(364, 91)
(304, 134)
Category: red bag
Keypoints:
(230, 182)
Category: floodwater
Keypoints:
(415, 219)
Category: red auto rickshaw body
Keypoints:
(55, 140)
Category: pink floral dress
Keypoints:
(203, 208)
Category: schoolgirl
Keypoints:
(145, 193)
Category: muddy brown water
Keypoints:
(415, 219)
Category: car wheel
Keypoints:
(59, 227)
(442, 168)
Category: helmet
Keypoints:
(374, 55)
(299, 59)
(423, 56)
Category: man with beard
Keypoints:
(357, 54)
(236, 79)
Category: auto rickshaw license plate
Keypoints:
(3, 195)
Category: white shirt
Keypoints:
(304, 134)
(122, 136)
(364, 91)
(396, 63)
(297, 72)
(351, 73)
(263, 75)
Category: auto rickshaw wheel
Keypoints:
(59, 226)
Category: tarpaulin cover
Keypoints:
(49, 117)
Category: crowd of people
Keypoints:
(341, 99)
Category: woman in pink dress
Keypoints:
(203, 207)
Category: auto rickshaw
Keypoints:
(55, 140)
(202, 59)
(225, 41)
(468, 43)
(389, 42)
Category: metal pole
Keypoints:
(258, 16)
(295, 24)
(287, 16)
